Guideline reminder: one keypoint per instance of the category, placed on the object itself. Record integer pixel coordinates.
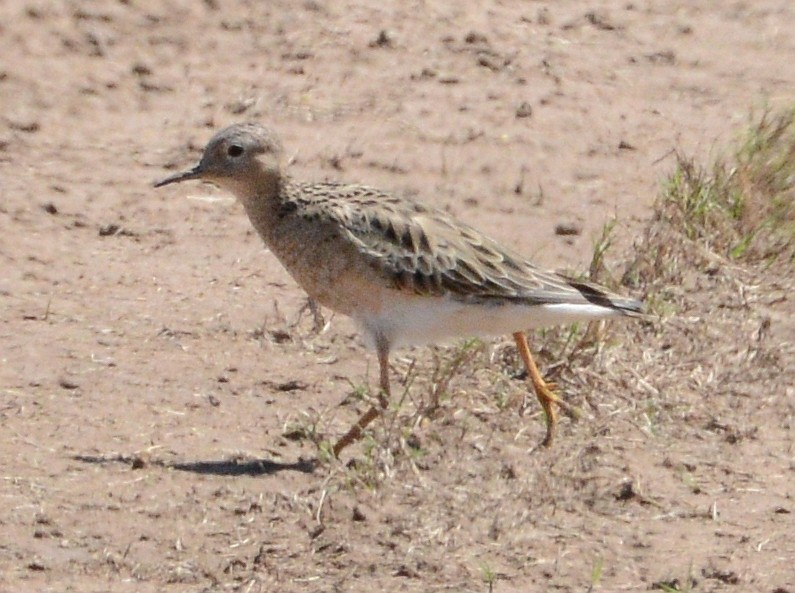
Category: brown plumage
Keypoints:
(426, 251)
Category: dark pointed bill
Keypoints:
(194, 173)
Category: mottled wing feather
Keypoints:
(425, 251)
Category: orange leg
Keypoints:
(546, 396)
(355, 432)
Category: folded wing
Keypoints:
(427, 252)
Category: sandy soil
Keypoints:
(160, 407)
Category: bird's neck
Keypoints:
(263, 202)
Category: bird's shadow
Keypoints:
(223, 467)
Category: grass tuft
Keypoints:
(766, 178)
(744, 208)
(739, 210)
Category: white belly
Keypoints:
(423, 320)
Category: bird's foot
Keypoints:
(549, 400)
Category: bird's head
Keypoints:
(243, 158)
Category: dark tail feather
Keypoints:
(598, 296)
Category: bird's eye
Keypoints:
(234, 150)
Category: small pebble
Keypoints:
(386, 38)
(567, 228)
(524, 110)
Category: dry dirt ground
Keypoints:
(160, 407)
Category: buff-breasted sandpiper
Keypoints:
(406, 273)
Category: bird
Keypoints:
(405, 272)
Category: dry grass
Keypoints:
(765, 174)
(740, 210)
